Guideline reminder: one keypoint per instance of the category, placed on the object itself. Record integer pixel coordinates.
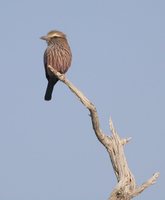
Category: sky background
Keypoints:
(48, 150)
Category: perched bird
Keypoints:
(58, 55)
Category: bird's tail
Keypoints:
(49, 89)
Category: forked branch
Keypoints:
(126, 187)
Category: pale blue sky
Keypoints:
(48, 150)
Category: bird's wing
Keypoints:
(46, 64)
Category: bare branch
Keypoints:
(126, 187)
(145, 185)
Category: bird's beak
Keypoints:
(44, 38)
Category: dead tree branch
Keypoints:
(126, 187)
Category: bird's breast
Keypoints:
(59, 57)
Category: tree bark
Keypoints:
(126, 187)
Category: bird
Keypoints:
(58, 55)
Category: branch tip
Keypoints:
(126, 140)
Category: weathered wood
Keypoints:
(126, 187)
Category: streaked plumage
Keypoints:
(58, 55)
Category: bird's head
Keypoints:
(53, 35)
